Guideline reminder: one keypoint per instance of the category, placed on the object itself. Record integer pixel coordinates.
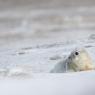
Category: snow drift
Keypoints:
(82, 83)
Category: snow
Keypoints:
(82, 83)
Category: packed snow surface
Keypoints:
(82, 83)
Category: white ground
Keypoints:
(82, 83)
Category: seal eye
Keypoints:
(76, 53)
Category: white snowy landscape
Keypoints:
(35, 35)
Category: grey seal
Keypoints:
(78, 60)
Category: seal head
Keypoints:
(79, 60)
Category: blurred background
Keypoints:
(21, 19)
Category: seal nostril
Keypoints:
(76, 53)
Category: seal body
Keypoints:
(78, 60)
